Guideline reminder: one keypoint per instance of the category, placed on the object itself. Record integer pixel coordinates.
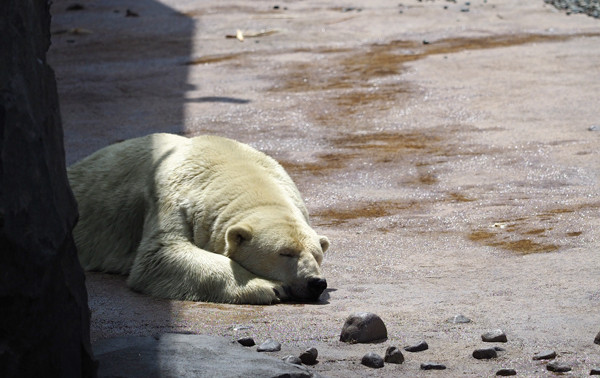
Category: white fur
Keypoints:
(203, 219)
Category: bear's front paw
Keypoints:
(282, 293)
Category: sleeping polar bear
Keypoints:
(201, 219)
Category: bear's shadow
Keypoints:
(323, 299)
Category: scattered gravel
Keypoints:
(485, 353)
(309, 356)
(292, 360)
(269, 346)
(247, 341)
(372, 360)
(363, 327)
(417, 347)
(393, 355)
(495, 336)
(558, 367)
(432, 366)
(506, 372)
(545, 355)
(589, 7)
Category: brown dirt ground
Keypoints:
(446, 154)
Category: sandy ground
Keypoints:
(450, 157)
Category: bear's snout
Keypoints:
(316, 286)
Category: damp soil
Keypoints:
(449, 156)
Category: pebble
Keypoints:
(269, 346)
(545, 355)
(247, 341)
(292, 360)
(432, 366)
(506, 372)
(417, 347)
(363, 327)
(597, 339)
(594, 128)
(309, 356)
(557, 367)
(393, 355)
(459, 319)
(595, 371)
(495, 336)
(372, 360)
(485, 353)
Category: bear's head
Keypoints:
(281, 247)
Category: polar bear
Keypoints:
(201, 219)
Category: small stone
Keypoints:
(464, 9)
(432, 366)
(393, 355)
(495, 336)
(309, 356)
(597, 339)
(363, 327)
(459, 319)
(292, 360)
(130, 13)
(595, 371)
(506, 372)
(594, 128)
(417, 347)
(247, 341)
(269, 346)
(545, 355)
(557, 367)
(485, 353)
(499, 349)
(372, 360)
(426, 42)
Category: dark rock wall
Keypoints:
(44, 316)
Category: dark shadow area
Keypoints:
(227, 100)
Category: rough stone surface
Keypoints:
(495, 336)
(269, 345)
(181, 355)
(506, 372)
(459, 319)
(247, 341)
(545, 355)
(558, 367)
(485, 353)
(432, 366)
(372, 360)
(421, 346)
(292, 360)
(44, 316)
(363, 327)
(309, 356)
(393, 355)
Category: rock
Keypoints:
(309, 356)
(459, 319)
(417, 347)
(372, 360)
(185, 353)
(292, 360)
(247, 341)
(597, 339)
(506, 372)
(594, 128)
(558, 367)
(485, 353)
(363, 327)
(495, 336)
(545, 355)
(393, 355)
(595, 371)
(269, 346)
(45, 319)
(432, 366)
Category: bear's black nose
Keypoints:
(316, 286)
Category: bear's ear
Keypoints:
(324, 243)
(236, 235)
